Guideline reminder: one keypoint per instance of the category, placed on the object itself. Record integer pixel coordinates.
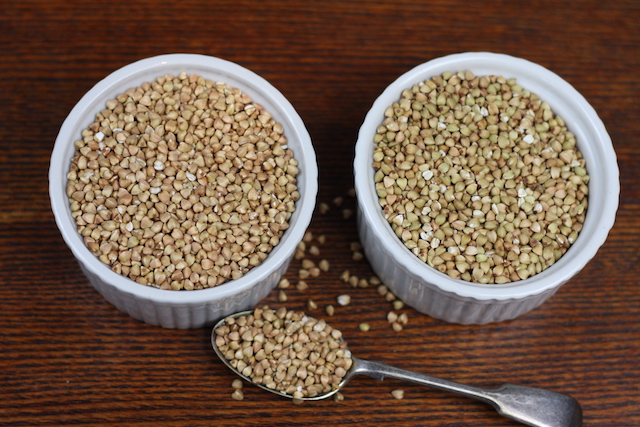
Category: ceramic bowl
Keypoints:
(197, 308)
(436, 294)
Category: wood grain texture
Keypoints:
(67, 357)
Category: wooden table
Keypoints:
(67, 357)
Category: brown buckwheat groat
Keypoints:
(182, 183)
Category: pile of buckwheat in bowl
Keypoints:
(484, 183)
(183, 184)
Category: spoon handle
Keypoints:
(528, 405)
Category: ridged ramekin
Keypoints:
(197, 308)
(436, 294)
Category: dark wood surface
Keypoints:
(67, 357)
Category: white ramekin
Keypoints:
(198, 308)
(436, 294)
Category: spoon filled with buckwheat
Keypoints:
(296, 356)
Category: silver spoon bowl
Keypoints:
(529, 405)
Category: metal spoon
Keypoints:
(528, 405)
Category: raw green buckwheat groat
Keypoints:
(479, 178)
